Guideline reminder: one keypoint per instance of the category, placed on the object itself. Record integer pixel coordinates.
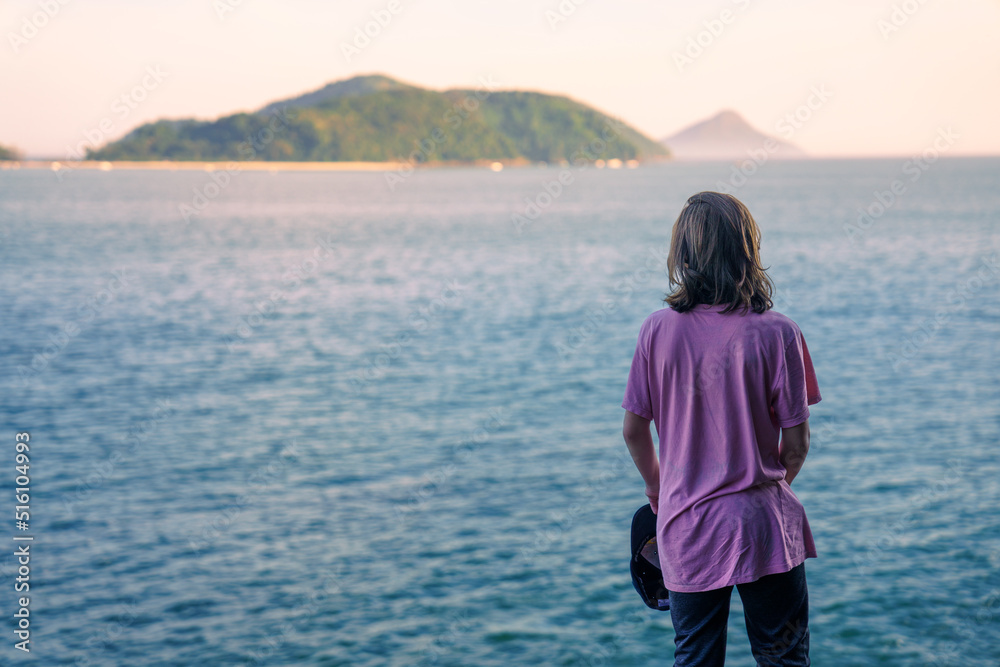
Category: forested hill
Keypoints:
(8, 153)
(375, 118)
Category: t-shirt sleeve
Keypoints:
(637, 398)
(795, 388)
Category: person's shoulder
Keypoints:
(655, 321)
(778, 319)
(780, 323)
(658, 316)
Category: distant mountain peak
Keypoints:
(726, 136)
(728, 116)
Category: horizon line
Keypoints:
(40, 160)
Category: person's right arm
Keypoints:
(793, 448)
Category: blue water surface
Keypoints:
(326, 421)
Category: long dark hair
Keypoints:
(715, 256)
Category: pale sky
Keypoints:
(886, 92)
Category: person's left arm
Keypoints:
(640, 445)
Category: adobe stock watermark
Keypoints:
(109, 633)
(457, 625)
(461, 453)
(899, 16)
(33, 24)
(86, 312)
(624, 289)
(121, 108)
(453, 118)
(533, 206)
(892, 532)
(292, 278)
(377, 365)
(247, 149)
(624, 633)
(970, 629)
(739, 351)
(551, 190)
(137, 435)
(225, 7)
(329, 585)
(562, 12)
(363, 35)
(698, 43)
(928, 329)
(819, 438)
(915, 167)
(786, 126)
(792, 636)
(254, 485)
(654, 265)
(794, 120)
(544, 537)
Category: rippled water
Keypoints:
(327, 423)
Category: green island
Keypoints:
(8, 153)
(377, 119)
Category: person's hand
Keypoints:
(654, 498)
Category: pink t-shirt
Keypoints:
(719, 388)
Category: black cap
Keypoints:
(645, 565)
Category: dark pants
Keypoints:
(776, 611)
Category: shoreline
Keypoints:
(198, 165)
(276, 166)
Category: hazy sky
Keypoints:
(892, 73)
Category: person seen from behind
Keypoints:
(728, 383)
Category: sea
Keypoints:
(374, 418)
